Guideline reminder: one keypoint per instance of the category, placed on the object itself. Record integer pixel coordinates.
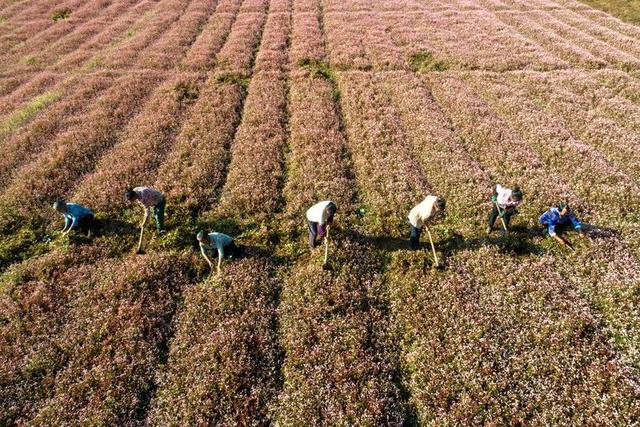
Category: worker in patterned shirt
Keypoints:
(153, 202)
(505, 203)
(76, 217)
(430, 209)
(559, 217)
(219, 242)
(319, 217)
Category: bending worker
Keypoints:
(505, 203)
(430, 209)
(559, 217)
(150, 199)
(319, 217)
(76, 217)
(221, 242)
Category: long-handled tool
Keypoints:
(433, 248)
(504, 224)
(139, 250)
(326, 248)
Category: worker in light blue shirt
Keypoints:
(558, 217)
(76, 217)
(219, 242)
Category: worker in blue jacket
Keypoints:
(559, 217)
(76, 217)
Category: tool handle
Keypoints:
(433, 248)
(326, 246)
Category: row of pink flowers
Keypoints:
(256, 168)
(223, 366)
(341, 354)
(173, 44)
(238, 53)
(31, 139)
(194, 171)
(27, 92)
(203, 52)
(142, 147)
(307, 39)
(273, 52)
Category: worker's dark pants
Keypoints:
(232, 251)
(493, 216)
(86, 223)
(158, 214)
(315, 229)
(414, 236)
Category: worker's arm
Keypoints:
(67, 224)
(206, 257)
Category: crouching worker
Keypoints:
(319, 217)
(224, 245)
(505, 203)
(559, 217)
(76, 217)
(151, 200)
(430, 209)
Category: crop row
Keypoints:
(169, 49)
(273, 52)
(17, 98)
(223, 365)
(340, 350)
(73, 153)
(391, 178)
(307, 38)
(238, 53)
(194, 171)
(31, 139)
(317, 166)
(255, 171)
(142, 146)
(213, 36)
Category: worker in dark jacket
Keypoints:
(76, 217)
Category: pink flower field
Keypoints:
(244, 113)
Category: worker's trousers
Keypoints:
(506, 215)
(414, 236)
(315, 229)
(158, 214)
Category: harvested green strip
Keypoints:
(25, 113)
(627, 10)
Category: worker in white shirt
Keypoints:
(505, 202)
(319, 217)
(430, 209)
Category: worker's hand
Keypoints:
(494, 198)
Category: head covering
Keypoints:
(129, 193)
(59, 204)
(200, 235)
(562, 206)
(516, 193)
(441, 203)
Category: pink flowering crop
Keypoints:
(273, 54)
(307, 39)
(30, 140)
(223, 363)
(74, 153)
(255, 170)
(202, 53)
(172, 45)
(37, 86)
(194, 171)
(392, 180)
(339, 346)
(316, 164)
(141, 148)
(236, 56)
